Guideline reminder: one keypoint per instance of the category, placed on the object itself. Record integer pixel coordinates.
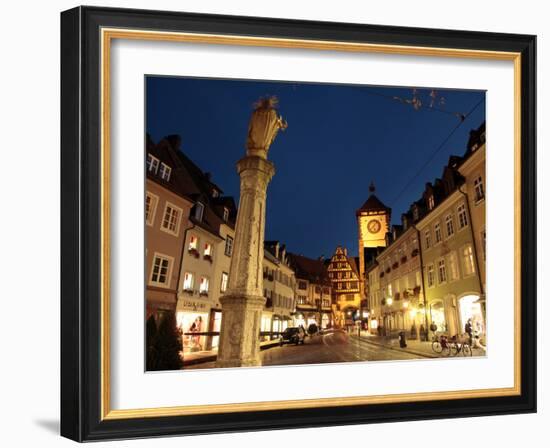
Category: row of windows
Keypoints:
(339, 265)
(172, 214)
(207, 248)
(204, 283)
(340, 275)
(324, 290)
(278, 276)
(405, 249)
(278, 299)
(447, 268)
(155, 166)
(171, 217)
(449, 226)
(404, 283)
(479, 195)
(347, 285)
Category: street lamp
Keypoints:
(389, 301)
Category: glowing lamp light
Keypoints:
(389, 301)
(405, 304)
(413, 312)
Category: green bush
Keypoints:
(163, 353)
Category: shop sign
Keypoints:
(194, 306)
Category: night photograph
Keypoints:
(294, 223)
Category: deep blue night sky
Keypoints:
(339, 138)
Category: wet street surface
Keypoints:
(335, 346)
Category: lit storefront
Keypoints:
(280, 323)
(470, 308)
(216, 327)
(193, 322)
(265, 326)
(299, 320)
(311, 319)
(437, 315)
(193, 317)
(325, 320)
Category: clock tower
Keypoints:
(373, 222)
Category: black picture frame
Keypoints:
(81, 215)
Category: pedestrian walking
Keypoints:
(469, 330)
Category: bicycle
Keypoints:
(460, 345)
(440, 345)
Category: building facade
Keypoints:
(473, 171)
(279, 284)
(432, 271)
(313, 292)
(166, 218)
(204, 234)
(346, 291)
(395, 285)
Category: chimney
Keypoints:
(277, 249)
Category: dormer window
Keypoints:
(152, 164)
(415, 213)
(215, 193)
(225, 214)
(431, 202)
(199, 211)
(165, 171)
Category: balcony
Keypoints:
(208, 258)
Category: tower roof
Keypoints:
(373, 204)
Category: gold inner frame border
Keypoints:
(107, 35)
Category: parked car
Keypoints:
(293, 335)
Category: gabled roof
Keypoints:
(373, 204)
(309, 269)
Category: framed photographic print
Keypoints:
(277, 224)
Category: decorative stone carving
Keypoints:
(243, 302)
(264, 125)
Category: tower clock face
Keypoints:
(374, 226)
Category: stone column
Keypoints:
(243, 302)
